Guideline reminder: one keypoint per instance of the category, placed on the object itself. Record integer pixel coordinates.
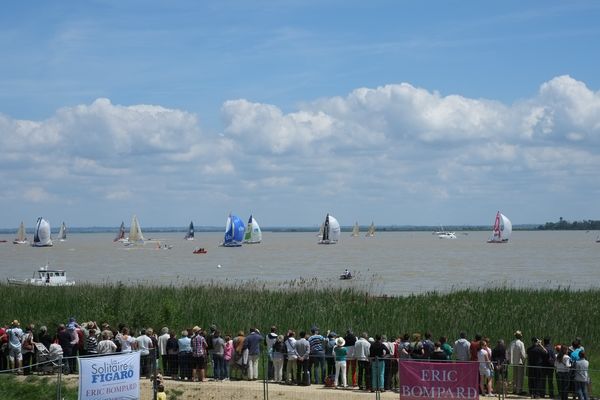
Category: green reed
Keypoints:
(562, 314)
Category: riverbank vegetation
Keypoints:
(564, 225)
(560, 313)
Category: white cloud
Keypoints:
(395, 143)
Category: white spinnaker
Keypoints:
(334, 229)
(507, 227)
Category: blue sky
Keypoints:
(399, 112)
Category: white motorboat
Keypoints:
(44, 277)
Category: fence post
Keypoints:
(265, 376)
(59, 378)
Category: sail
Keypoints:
(371, 231)
(253, 233)
(135, 232)
(190, 234)
(331, 230)
(507, 227)
(121, 234)
(21, 234)
(234, 231)
(502, 229)
(42, 233)
(62, 233)
(355, 230)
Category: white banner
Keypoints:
(112, 377)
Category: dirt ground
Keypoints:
(245, 390)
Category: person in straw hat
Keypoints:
(516, 359)
(340, 352)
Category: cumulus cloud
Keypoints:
(395, 143)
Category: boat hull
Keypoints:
(37, 282)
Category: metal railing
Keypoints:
(319, 370)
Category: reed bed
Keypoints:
(562, 314)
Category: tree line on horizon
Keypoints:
(564, 225)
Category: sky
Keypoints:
(397, 112)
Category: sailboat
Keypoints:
(41, 236)
(190, 233)
(371, 231)
(62, 233)
(21, 238)
(234, 232)
(502, 229)
(135, 233)
(331, 231)
(121, 234)
(355, 230)
(253, 233)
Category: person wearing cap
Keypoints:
(252, 344)
(198, 355)
(535, 357)
(516, 359)
(340, 352)
(15, 334)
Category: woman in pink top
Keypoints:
(227, 355)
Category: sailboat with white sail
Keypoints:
(502, 229)
(234, 231)
(190, 233)
(136, 237)
(121, 234)
(355, 230)
(331, 230)
(41, 237)
(21, 238)
(253, 233)
(371, 231)
(62, 233)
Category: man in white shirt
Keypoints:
(162, 348)
(516, 358)
(462, 348)
(362, 350)
(144, 344)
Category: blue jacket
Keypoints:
(252, 343)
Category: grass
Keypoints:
(33, 388)
(561, 313)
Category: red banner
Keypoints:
(441, 380)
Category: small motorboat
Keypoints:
(45, 277)
(200, 250)
(346, 275)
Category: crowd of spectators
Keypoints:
(359, 361)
